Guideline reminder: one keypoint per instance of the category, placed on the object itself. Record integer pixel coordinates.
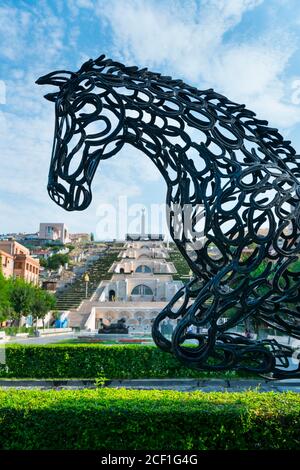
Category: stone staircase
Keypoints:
(78, 317)
(71, 298)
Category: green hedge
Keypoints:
(13, 330)
(161, 420)
(88, 361)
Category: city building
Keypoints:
(18, 256)
(7, 264)
(13, 247)
(79, 237)
(141, 285)
(57, 232)
(41, 253)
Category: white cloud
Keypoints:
(46, 31)
(174, 37)
(175, 33)
(10, 28)
(189, 43)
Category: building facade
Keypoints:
(18, 262)
(141, 285)
(55, 232)
(7, 264)
(80, 237)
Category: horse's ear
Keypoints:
(51, 96)
(57, 78)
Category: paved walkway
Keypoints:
(184, 385)
(43, 339)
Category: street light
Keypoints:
(86, 280)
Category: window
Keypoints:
(143, 269)
(141, 289)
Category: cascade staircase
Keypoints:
(72, 296)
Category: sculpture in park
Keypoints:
(114, 328)
(224, 169)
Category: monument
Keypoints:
(139, 284)
(225, 169)
(114, 328)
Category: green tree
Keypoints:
(92, 237)
(20, 295)
(5, 307)
(43, 263)
(55, 261)
(41, 303)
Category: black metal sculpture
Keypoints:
(219, 162)
(118, 328)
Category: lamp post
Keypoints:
(86, 280)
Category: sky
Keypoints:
(248, 50)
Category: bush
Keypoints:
(87, 361)
(55, 261)
(149, 420)
(13, 330)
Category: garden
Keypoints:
(101, 417)
(19, 298)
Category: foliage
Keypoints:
(41, 303)
(5, 308)
(181, 266)
(13, 330)
(91, 360)
(101, 380)
(122, 419)
(55, 313)
(20, 295)
(18, 298)
(70, 247)
(43, 262)
(55, 261)
(55, 246)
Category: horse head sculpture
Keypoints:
(222, 166)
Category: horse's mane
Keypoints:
(111, 67)
(120, 74)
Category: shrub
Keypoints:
(88, 360)
(149, 420)
(55, 261)
(13, 330)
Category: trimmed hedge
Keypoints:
(160, 420)
(88, 361)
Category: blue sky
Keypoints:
(246, 49)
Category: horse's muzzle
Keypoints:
(78, 198)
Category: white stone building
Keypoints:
(54, 232)
(140, 287)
